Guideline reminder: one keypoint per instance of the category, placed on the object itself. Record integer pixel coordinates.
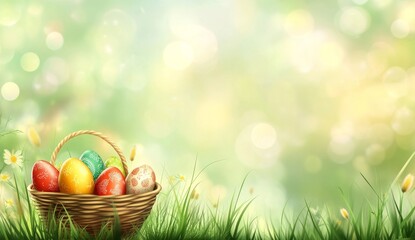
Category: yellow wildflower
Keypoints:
(9, 203)
(407, 183)
(344, 213)
(33, 136)
(4, 177)
(132, 153)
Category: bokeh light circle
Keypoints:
(54, 40)
(30, 62)
(331, 55)
(354, 20)
(178, 55)
(403, 122)
(10, 91)
(395, 80)
(400, 28)
(203, 41)
(406, 13)
(342, 144)
(299, 22)
(10, 12)
(252, 155)
(382, 3)
(263, 135)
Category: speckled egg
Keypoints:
(140, 180)
(75, 177)
(94, 162)
(115, 162)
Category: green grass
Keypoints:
(178, 215)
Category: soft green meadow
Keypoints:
(179, 213)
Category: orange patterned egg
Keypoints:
(75, 177)
(141, 180)
(110, 182)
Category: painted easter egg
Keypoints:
(110, 182)
(140, 180)
(94, 162)
(45, 177)
(75, 177)
(115, 162)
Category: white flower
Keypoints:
(4, 177)
(13, 158)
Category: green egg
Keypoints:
(115, 162)
(94, 162)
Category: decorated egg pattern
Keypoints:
(45, 177)
(94, 162)
(141, 180)
(110, 182)
(75, 177)
(115, 162)
(90, 174)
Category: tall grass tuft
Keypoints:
(178, 216)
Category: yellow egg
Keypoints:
(75, 177)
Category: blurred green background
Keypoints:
(302, 95)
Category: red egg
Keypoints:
(110, 182)
(45, 177)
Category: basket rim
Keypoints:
(32, 190)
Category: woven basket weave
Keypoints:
(91, 211)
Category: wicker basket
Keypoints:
(91, 211)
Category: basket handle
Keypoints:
(89, 132)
